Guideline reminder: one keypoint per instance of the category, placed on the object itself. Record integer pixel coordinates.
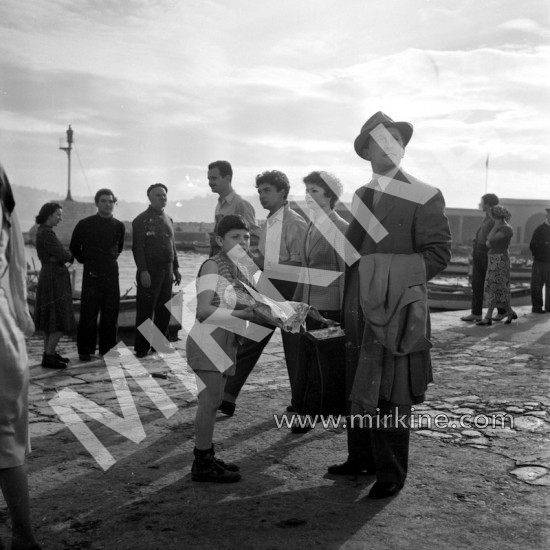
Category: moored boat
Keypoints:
(518, 273)
(457, 297)
(127, 312)
(201, 248)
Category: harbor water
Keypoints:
(189, 266)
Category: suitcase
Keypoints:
(323, 358)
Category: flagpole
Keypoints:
(486, 171)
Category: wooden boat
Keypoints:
(126, 316)
(445, 297)
(517, 273)
(201, 248)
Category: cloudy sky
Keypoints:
(156, 89)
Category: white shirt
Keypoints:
(270, 247)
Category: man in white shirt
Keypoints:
(280, 246)
(220, 175)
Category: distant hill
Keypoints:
(196, 209)
(28, 202)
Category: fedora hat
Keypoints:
(405, 129)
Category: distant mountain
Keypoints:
(28, 202)
(196, 209)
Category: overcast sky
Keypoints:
(157, 89)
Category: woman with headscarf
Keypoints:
(322, 253)
(497, 280)
(15, 322)
(53, 313)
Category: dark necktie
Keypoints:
(377, 193)
(356, 232)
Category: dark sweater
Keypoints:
(153, 240)
(540, 243)
(97, 242)
(482, 232)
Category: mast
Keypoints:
(486, 172)
(67, 149)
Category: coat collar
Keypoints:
(316, 234)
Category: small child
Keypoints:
(212, 345)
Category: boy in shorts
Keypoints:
(212, 344)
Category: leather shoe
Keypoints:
(536, 310)
(385, 489)
(227, 408)
(485, 322)
(52, 362)
(499, 316)
(471, 317)
(349, 468)
(510, 317)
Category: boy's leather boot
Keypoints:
(207, 468)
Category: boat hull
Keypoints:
(202, 248)
(126, 316)
(516, 274)
(456, 298)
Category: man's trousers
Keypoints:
(381, 447)
(540, 277)
(150, 304)
(100, 297)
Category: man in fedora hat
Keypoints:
(540, 274)
(403, 239)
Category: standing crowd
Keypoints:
(368, 277)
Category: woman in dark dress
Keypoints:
(497, 280)
(53, 313)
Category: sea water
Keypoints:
(189, 266)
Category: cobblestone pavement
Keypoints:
(481, 374)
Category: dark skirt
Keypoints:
(53, 311)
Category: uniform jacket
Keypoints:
(153, 239)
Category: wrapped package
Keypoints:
(288, 316)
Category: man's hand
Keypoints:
(145, 279)
(314, 314)
(177, 277)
